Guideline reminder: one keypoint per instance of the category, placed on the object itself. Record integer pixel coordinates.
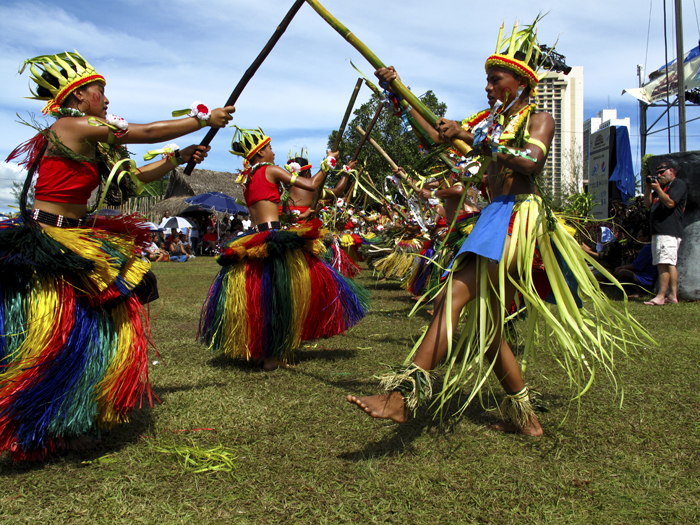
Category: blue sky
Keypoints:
(159, 56)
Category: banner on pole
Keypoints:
(660, 84)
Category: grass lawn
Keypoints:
(289, 449)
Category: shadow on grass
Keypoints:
(224, 362)
(140, 422)
(400, 441)
(162, 391)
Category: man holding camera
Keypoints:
(665, 195)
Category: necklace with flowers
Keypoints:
(490, 123)
(245, 175)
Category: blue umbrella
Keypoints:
(218, 201)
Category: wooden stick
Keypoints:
(243, 82)
(369, 130)
(379, 149)
(391, 162)
(348, 111)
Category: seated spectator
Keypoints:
(163, 247)
(608, 251)
(152, 252)
(210, 241)
(225, 237)
(641, 273)
(177, 253)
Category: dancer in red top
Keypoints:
(73, 332)
(274, 291)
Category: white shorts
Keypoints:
(664, 249)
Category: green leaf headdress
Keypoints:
(525, 42)
(70, 69)
(251, 141)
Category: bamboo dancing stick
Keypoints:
(243, 82)
(338, 138)
(428, 115)
(346, 117)
(369, 130)
(379, 149)
(394, 166)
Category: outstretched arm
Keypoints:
(81, 129)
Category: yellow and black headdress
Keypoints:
(70, 69)
(251, 142)
(524, 43)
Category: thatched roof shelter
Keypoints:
(201, 181)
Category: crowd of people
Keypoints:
(204, 237)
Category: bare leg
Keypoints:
(673, 284)
(433, 347)
(664, 279)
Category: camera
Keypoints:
(651, 179)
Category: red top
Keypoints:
(66, 180)
(261, 189)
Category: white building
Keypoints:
(605, 118)
(562, 96)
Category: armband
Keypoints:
(170, 152)
(117, 126)
(538, 144)
(293, 179)
(198, 110)
(328, 164)
(432, 194)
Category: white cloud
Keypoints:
(9, 173)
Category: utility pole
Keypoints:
(680, 69)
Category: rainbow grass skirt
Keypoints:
(73, 336)
(275, 291)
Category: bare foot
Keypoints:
(383, 406)
(533, 428)
(673, 300)
(270, 364)
(655, 302)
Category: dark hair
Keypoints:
(44, 92)
(669, 165)
(245, 145)
(302, 162)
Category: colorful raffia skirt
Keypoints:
(400, 261)
(73, 334)
(550, 274)
(351, 242)
(338, 258)
(275, 291)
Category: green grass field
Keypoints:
(285, 447)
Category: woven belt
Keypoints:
(59, 221)
(269, 225)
